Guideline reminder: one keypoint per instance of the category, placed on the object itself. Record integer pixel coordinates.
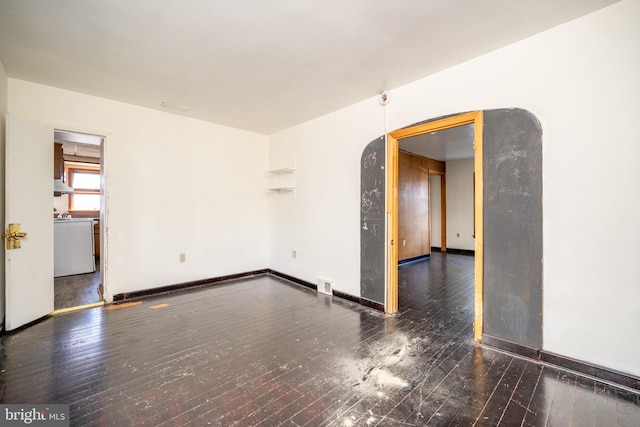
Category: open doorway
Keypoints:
(507, 294)
(413, 136)
(437, 176)
(435, 206)
(77, 220)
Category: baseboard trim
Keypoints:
(127, 296)
(467, 252)
(346, 296)
(511, 347)
(293, 279)
(592, 370)
(410, 261)
(597, 372)
(358, 300)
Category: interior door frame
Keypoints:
(392, 138)
(102, 216)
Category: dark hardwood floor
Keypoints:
(262, 351)
(76, 290)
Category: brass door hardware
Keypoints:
(13, 236)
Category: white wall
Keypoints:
(172, 185)
(4, 95)
(61, 203)
(321, 221)
(581, 80)
(460, 204)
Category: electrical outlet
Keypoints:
(182, 257)
(294, 253)
(404, 242)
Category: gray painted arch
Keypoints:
(512, 214)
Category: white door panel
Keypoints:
(29, 202)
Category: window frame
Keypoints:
(70, 167)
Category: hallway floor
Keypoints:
(76, 290)
(262, 351)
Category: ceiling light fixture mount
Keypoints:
(384, 97)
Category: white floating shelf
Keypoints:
(283, 180)
(283, 170)
(283, 189)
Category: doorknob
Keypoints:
(13, 236)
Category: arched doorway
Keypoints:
(508, 219)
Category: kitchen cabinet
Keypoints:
(58, 161)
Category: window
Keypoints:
(85, 180)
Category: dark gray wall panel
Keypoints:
(372, 219)
(512, 169)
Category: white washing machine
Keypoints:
(73, 250)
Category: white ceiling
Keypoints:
(260, 65)
(444, 145)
